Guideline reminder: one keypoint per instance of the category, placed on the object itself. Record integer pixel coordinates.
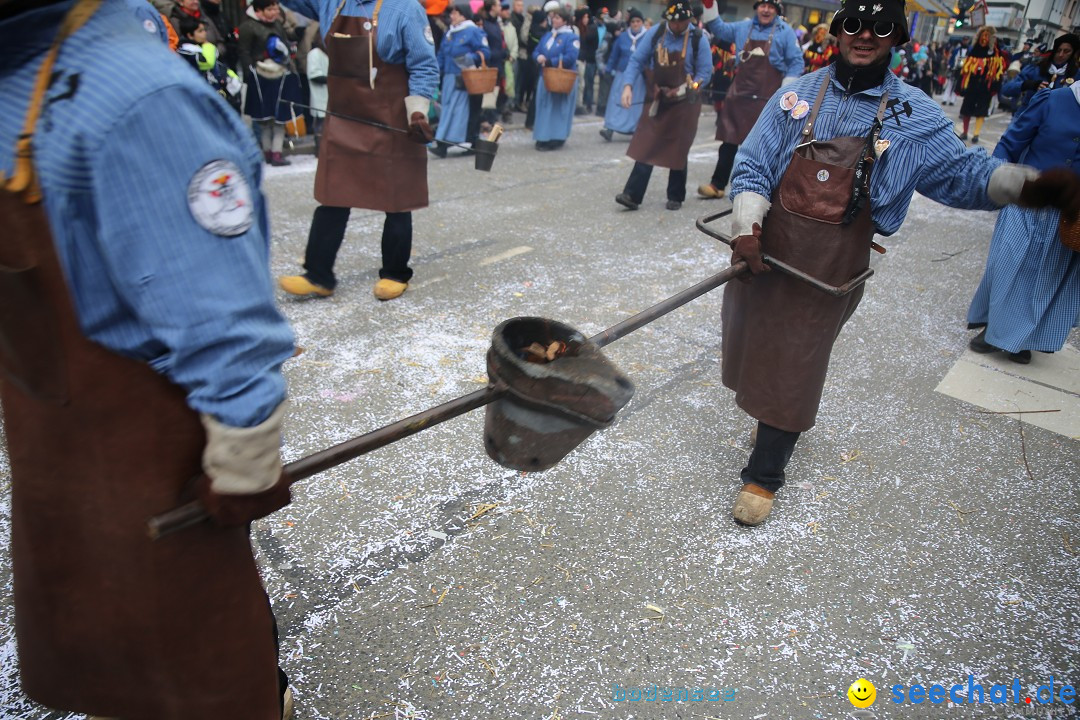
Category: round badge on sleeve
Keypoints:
(149, 26)
(427, 34)
(219, 198)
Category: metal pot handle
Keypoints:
(833, 290)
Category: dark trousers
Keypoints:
(530, 115)
(602, 93)
(638, 182)
(590, 83)
(724, 163)
(328, 231)
(770, 456)
(472, 131)
(526, 88)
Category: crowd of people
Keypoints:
(143, 345)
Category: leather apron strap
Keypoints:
(23, 180)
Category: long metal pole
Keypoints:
(194, 513)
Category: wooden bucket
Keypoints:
(481, 80)
(559, 80)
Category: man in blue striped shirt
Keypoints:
(833, 159)
(140, 348)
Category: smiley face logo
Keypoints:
(862, 693)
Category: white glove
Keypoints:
(416, 103)
(243, 461)
(709, 12)
(1005, 182)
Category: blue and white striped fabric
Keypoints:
(115, 154)
(643, 58)
(923, 155)
(404, 36)
(784, 54)
(1029, 296)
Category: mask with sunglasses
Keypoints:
(855, 26)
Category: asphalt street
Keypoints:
(928, 532)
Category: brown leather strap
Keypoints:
(23, 180)
(807, 131)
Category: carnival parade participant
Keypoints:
(141, 349)
(819, 51)
(1029, 296)
(835, 158)
(555, 111)
(767, 55)
(980, 80)
(1058, 69)
(675, 61)
(618, 119)
(465, 45)
(382, 69)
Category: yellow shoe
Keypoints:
(708, 190)
(287, 712)
(752, 505)
(300, 285)
(387, 289)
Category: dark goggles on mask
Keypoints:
(854, 26)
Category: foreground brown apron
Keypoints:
(107, 621)
(665, 139)
(755, 82)
(778, 332)
(362, 166)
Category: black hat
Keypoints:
(1067, 38)
(634, 13)
(775, 3)
(678, 10)
(874, 11)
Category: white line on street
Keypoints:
(512, 252)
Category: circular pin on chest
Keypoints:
(822, 175)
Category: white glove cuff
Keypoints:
(748, 208)
(416, 103)
(709, 12)
(1006, 182)
(243, 461)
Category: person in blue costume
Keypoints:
(1059, 69)
(140, 355)
(555, 111)
(834, 159)
(618, 119)
(767, 56)
(463, 46)
(1029, 296)
(382, 69)
(674, 59)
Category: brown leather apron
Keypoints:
(778, 332)
(754, 83)
(664, 140)
(362, 166)
(107, 621)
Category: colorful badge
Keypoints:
(880, 146)
(822, 175)
(801, 108)
(220, 199)
(149, 26)
(788, 101)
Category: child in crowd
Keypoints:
(202, 56)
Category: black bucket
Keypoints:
(485, 154)
(548, 408)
